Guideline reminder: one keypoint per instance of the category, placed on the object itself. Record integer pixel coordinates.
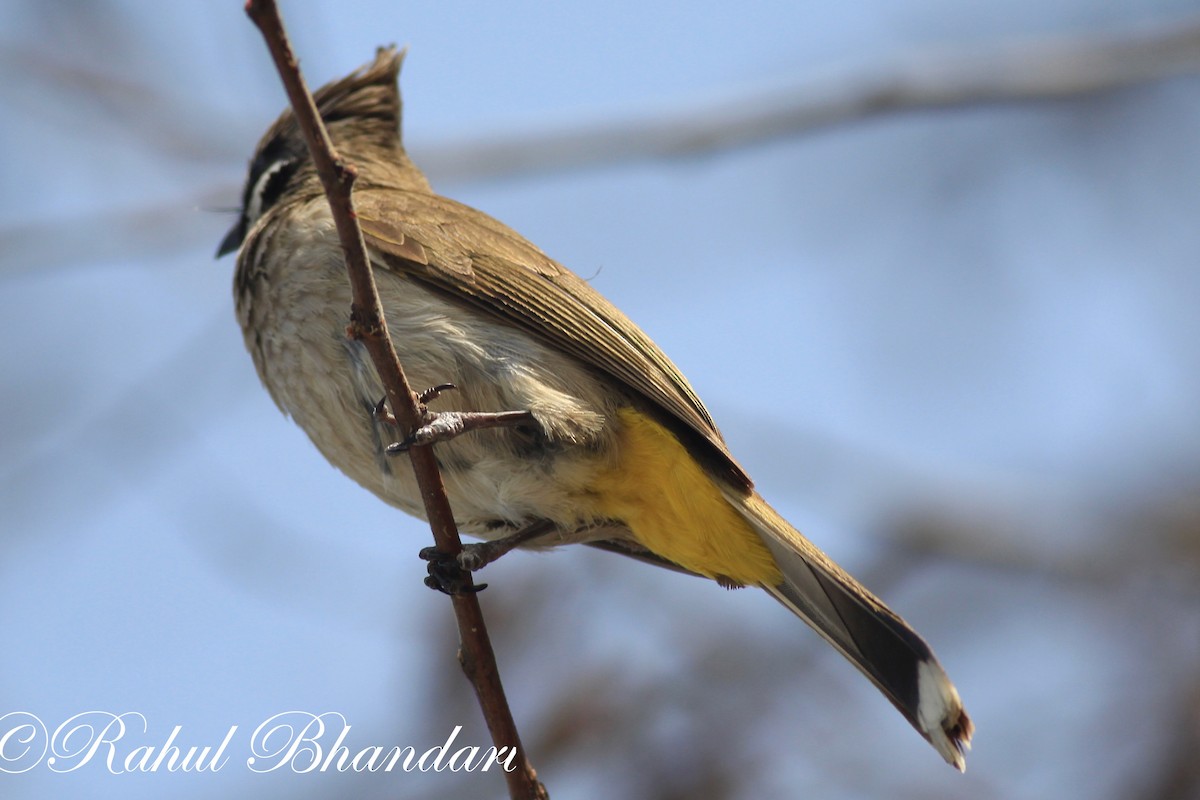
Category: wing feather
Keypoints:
(477, 260)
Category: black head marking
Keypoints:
(273, 167)
(364, 105)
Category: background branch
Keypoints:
(368, 324)
(1021, 70)
(1004, 71)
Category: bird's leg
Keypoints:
(447, 572)
(440, 426)
(443, 425)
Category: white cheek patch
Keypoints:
(254, 207)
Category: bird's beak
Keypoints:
(233, 239)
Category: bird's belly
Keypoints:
(496, 480)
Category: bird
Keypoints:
(611, 446)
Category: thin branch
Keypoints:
(1017, 71)
(367, 323)
(144, 109)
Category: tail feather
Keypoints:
(868, 633)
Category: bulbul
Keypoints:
(616, 451)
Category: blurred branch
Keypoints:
(171, 227)
(1152, 539)
(147, 110)
(1016, 71)
(1176, 776)
(1019, 71)
(1022, 70)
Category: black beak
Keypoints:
(233, 239)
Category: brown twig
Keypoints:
(367, 323)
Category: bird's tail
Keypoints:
(864, 630)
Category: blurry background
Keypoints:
(958, 347)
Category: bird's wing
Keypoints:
(476, 260)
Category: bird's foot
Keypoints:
(440, 426)
(451, 574)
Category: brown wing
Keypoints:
(479, 261)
